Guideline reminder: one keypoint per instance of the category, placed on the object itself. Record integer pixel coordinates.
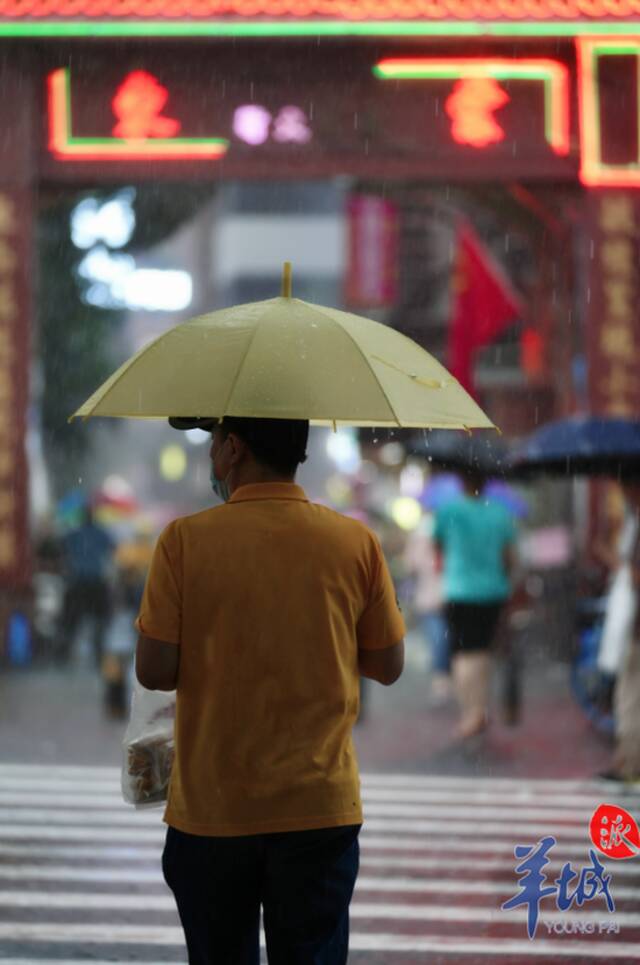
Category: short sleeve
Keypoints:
(160, 615)
(381, 624)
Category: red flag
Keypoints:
(484, 304)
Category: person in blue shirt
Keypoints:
(476, 539)
(87, 554)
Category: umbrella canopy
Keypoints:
(585, 445)
(287, 359)
(440, 489)
(482, 452)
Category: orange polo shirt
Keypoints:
(269, 597)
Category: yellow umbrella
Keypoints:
(287, 359)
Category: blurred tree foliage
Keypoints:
(74, 339)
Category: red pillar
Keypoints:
(18, 157)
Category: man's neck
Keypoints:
(257, 476)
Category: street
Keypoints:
(80, 876)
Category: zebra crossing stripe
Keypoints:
(513, 829)
(15, 832)
(369, 838)
(375, 910)
(121, 814)
(88, 774)
(381, 942)
(77, 793)
(85, 803)
(368, 859)
(80, 873)
(415, 884)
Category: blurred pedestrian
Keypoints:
(263, 613)
(625, 653)
(476, 536)
(422, 562)
(87, 553)
(133, 559)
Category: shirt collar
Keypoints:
(272, 490)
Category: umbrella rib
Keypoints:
(239, 370)
(350, 336)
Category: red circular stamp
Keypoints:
(614, 831)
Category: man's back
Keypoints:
(269, 597)
(474, 533)
(88, 551)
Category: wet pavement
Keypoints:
(79, 871)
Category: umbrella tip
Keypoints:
(286, 279)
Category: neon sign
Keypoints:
(471, 107)
(254, 124)
(138, 103)
(142, 132)
(594, 171)
(553, 74)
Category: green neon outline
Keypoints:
(598, 51)
(617, 49)
(121, 142)
(596, 87)
(315, 28)
(500, 73)
(117, 142)
(505, 72)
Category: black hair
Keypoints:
(474, 479)
(278, 444)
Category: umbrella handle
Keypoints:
(286, 279)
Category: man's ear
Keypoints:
(238, 448)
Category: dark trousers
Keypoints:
(88, 599)
(304, 881)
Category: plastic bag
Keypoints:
(617, 631)
(148, 747)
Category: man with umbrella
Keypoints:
(264, 613)
(270, 607)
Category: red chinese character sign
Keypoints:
(472, 107)
(613, 352)
(14, 367)
(138, 105)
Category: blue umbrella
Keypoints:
(444, 487)
(439, 490)
(510, 499)
(457, 451)
(585, 445)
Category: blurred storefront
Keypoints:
(388, 128)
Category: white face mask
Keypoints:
(219, 486)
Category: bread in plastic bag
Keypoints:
(148, 747)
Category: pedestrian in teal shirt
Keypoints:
(476, 537)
